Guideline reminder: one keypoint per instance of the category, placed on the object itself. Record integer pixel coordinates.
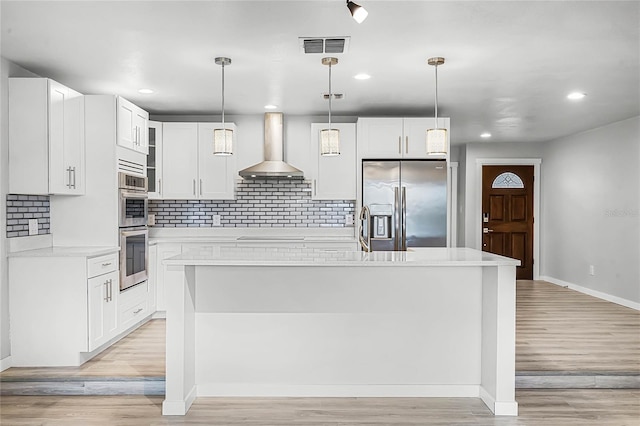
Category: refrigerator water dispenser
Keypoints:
(381, 215)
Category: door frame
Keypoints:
(535, 162)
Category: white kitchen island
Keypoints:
(305, 322)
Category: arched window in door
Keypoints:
(507, 180)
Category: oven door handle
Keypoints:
(134, 232)
(133, 194)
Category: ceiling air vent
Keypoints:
(324, 44)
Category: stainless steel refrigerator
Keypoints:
(406, 203)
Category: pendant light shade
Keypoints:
(329, 142)
(358, 12)
(223, 138)
(329, 138)
(436, 137)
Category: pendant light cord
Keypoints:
(436, 96)
(223, 128)
(330, 96)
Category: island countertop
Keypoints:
(276, 256)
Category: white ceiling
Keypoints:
(509, 64)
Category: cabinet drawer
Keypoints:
(134, 295)
(102, 264)
(134, 313)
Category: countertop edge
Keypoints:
(56, 251)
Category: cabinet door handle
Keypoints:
(315, 188)
(73, 169)
(68, 185)
(399, 144)
(106, 264)
(137, 311)
(200, 186)
(194, 187)
(106, 291)
(160, 186)
(110, 290)
(406, 144)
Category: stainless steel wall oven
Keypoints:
(134, 235)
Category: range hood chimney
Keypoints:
(273, 166)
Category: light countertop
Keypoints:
(232, 235)
(270, 256)
(65, 252)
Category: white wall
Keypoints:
(7, 69)
(590, 211)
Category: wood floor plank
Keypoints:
(140, 354)
(537, 407)
(558, 329)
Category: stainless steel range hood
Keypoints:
(273, 166)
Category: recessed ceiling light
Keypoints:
(485, 135)
(145, 91)
(271, 106)
(576, 96)
(362, 76)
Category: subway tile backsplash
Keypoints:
(258, 203)
(21, 208)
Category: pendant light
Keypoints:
(436, 137)
(329, 138)
(223, 138)
(358, 12)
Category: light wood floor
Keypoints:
(549, 407)
(140, 354)
(558, 329)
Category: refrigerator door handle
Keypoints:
(365, 217)
(404, 218)
(396, 219)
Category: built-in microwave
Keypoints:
(133, 200)
(134, 256)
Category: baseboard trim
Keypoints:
(336, 391)
(179, 407)
(595, 293)
(499, 408)
(6, 363)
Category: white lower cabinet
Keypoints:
(152, 279)
(133, 306)
(66, 306)
(103, 308)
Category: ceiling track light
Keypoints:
(436, 137)
(329, 138)
(358, 12)
(223, 138)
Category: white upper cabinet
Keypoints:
(217, 173)
(334, 177)
(382, 138)
(46, 138)
(180, 165)
(189, 168)
(132, 126)
(154, 160)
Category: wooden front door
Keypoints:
(507, 214)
